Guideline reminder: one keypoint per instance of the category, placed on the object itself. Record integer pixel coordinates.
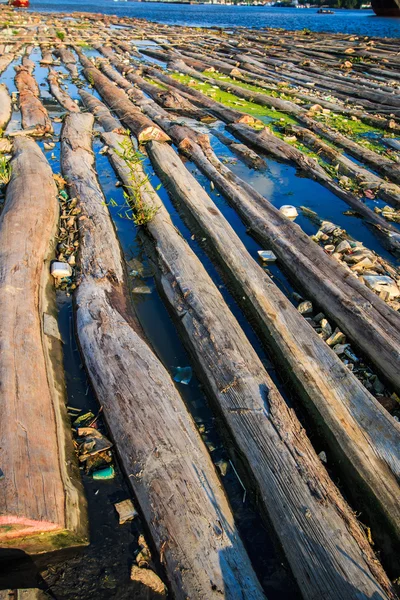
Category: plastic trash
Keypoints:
(83, 419)
(266, 255)
(59, 270)
(126, 511)
(104, 474)
(183, 375)
(305, 307)
(289, 211)
(382, 283)
(149, 579)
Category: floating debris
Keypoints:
(60, 270)
(267, 255)
(126, 511)
(289, 211)
(183, 375)
(104, 474)
(149, 579)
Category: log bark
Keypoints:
(34, 115)
(59, 94)
(68, 58)
(101, 112)
(5, 106)
(162, 453)
(41, 503)
(389, 192)
(238, 384)
(322, 380)
(130, 115)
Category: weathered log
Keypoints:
(238, 384)
(101, 112)
(389, 192)
(34, 115)
(41, 503)
(6, 60)
(130, 115)
(318, 374)
(59, 94)
(271, 144)
(68, 59)
(246, 154)
(168, 466)
(5, 106)
(366, 318)
(383, 165)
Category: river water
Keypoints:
(360, 22)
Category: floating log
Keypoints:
(68, 58)
(389, 192)
(59, 94)
(41, 503)
(325, 384)
(5, 106)
(269, 143)
(169, 468)
(130, 115)
(238, 385)
(34, 115)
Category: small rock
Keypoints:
(322, 456)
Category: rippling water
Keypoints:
(360, 22)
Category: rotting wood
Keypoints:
(332, 394)
(130, 115)
(238, 383)
(167, 463)
(59, 94)
(5, 106)
(34, 115)
(42, 507)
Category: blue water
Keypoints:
(360, 22)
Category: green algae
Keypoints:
(232, 101)
(248, 86)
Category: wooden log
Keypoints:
(41, 502)
(6, 60)
(68, 58)
(169, 468)
(389, 192)
(238, 384)
(380, 164)
(5, 106)
(344, 298)
(59, 94)
(130, 115)
(264, 140)
(101, 112)
(318, 374)
(34, 115)
(246, 154)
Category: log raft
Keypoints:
(41, 503)
(168, 465)
(238, 384)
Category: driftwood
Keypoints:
(41, 504)
(5, 106)
(34, 115)
(168, 466)
(59, 94)
(328, 389)
(68, 58)
(268, 142)
(238, 385)
(130, 115)
(390, 192)
(264, 140)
